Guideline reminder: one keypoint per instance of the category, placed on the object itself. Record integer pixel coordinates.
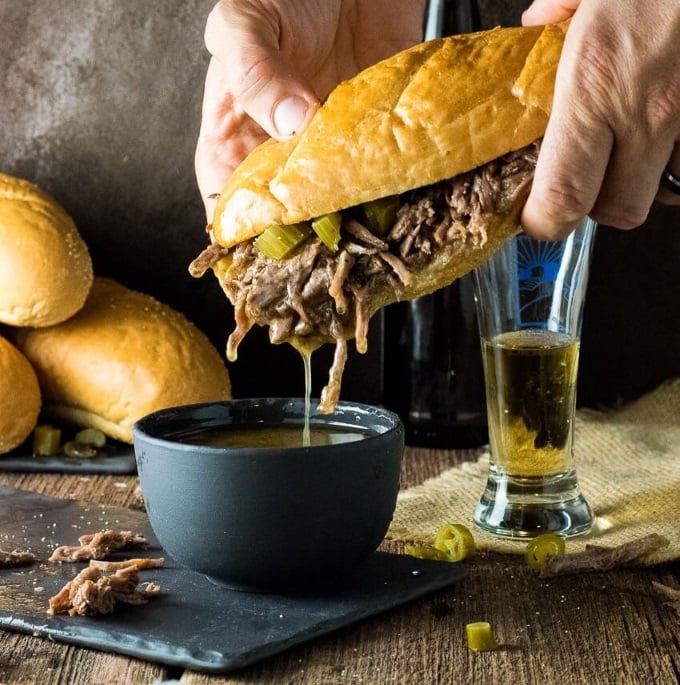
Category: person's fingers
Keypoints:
(565, 186)
(226, 136)
(257, 74)
(585, 168)
(669, 188)
(631, 181)
(548, 11)
(612, 129)
(574, 153)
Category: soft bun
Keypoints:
(426, 114)
(47, 270)
(122, 356)
(19, 397)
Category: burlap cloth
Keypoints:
(628, 465)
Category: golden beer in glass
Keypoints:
(530, 298)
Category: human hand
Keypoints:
(274, 60)
(615, 123)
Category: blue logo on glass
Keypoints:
(538, 265)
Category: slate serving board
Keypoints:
(116, 458)
(194, 623)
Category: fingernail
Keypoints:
(289, 115)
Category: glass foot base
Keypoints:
(524, 507)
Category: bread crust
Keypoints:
(19, 397)
(47, 269)
(124, 355)
(426, 114)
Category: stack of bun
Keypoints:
(79, 348)
(19, 397)
(46, 267)
(122, 356)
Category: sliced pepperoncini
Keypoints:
(542, 547)
(278, 241)
(91, 436)
(425, 552)
(480, 636)
(455, 541)
(381, 213)
(46, 440)
(327, 227)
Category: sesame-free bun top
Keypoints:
(426, 114)
(19, 397)
(122, 356)
(46, 267)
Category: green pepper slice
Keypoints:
(46, 440)
(278, 241)
(456, 541)
(425, 552)
(327, 227)
(542, 547)
(381, 213)
(480, 636)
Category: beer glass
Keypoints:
(529, 299)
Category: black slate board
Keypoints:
(117, 458)
(194, 623)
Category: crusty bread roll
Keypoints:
(47, 270)
(122, 356)
(19, 397)
(450, 128)
(428, 113)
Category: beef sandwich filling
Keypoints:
(318, 295)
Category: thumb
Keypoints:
(549, 11)
(259, 77)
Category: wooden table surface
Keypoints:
(595, 628)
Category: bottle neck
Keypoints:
(449, 17)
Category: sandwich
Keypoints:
(409, 175)
(125, 354)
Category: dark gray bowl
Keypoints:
(269, 519)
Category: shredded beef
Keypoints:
(209, 257)
(138, 562)
(598, 558)
(93, 592)
(322, 294)
(99, 545)
(15, 557)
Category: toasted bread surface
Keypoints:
(426, 114)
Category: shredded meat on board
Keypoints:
(317, 293)
(99, 545)
(138, 562)
(93, 592)
(15, 558)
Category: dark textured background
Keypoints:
(100, 105)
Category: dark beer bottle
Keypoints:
(448, 17)
(432, 375)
